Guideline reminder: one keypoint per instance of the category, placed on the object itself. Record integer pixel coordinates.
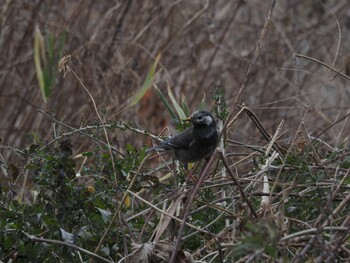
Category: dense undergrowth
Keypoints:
(291, 206)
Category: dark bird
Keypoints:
(195, 143)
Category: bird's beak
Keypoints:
(187, 119)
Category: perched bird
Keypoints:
(195, 143)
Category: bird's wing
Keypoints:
(182, 140)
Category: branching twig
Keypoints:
(201, 180)
(244, 198)
(82, 130)
(323, 64)
(61, 243)
(74, 130)
(167, 214)
(256, 53)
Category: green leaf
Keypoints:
(148, 82)
(84, 233)
(61, 42)
(50, 46)
(184, 104)
(177, 107)
(48, 82)
(106, 251)
(36, 140)
(39, 50)
(346, 163)
(203, 103)
(106, 215)
(67, 237)
(165, 101)
(87, 154)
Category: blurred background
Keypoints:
(204, 44)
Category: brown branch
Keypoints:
(256, 53)
(323, 64)
(201, 180)
(245, 199)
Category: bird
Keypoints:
(195, 143)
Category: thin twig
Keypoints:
(221, 39)
(312, 231)
(330, 126)
(244, 198)
(121, 203)
(74, 130)
(167, 214)
(102, 123)
(323, 64)
(187, 24)
(256, 53)
(82, 130)
(65, 244)
(201, 180)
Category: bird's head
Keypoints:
(202, 118)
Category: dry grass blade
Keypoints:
(157, 252)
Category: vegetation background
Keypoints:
(204, 45)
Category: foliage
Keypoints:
(77, 209)
(63, 207)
